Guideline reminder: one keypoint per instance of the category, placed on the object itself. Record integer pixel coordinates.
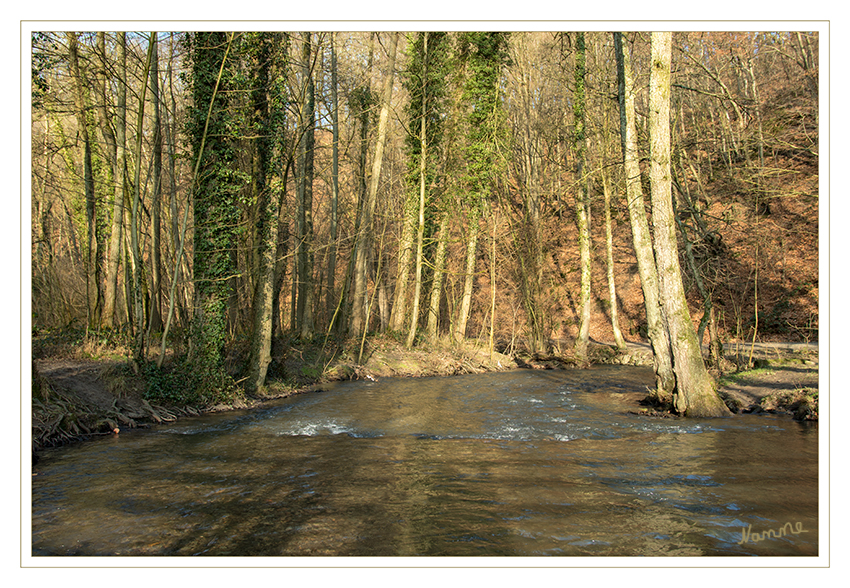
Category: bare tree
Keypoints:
(119, 191)
(304, 309)
(93, 257)
(695, 389)
(359, 317)
(665, 380)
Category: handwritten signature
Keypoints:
(748, 535)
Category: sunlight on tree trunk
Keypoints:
(469, 274)
(695, 389)
(360, 317)
(665, 381)
(420, 229)
(432, 326)
(619, 341)
(582, 202)
(135, 222)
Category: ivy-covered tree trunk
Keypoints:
(267, 206)
(215, 205)
(582, 200)
(696, 394)
(426, 83)
(484, 148)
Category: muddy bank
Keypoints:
(776, 378)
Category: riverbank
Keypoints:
(87, 390)
(81, 393)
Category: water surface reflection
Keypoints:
(518, 463)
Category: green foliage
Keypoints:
(216, 196)
(184, 384)
(425, 80)
(487, 133)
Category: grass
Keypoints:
(742, 376)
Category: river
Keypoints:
(520, 463)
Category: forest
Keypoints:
(218, 200)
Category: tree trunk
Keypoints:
(582, 202)
(492, 341)
(469, 275)
(113, 255)
(93, 257)
(695, 389)
(267, 231)
(334, 181)
(304, 317)
(359, 104)
(171, 134)
(104, 120)
(138, 306)
(420, 229)
(665, 381)
(405, 254)
(432, 327)
(359, 314)
(609, 258)
(215, 211)
(155, 318)
(281, 250)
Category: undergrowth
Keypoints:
(183, 383)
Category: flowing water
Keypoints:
(518, 463)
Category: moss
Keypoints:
(707, 406)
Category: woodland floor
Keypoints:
(76, 398)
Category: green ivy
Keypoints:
(184, 384)
(216, 200)
(485, 148)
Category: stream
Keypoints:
(519, 463)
